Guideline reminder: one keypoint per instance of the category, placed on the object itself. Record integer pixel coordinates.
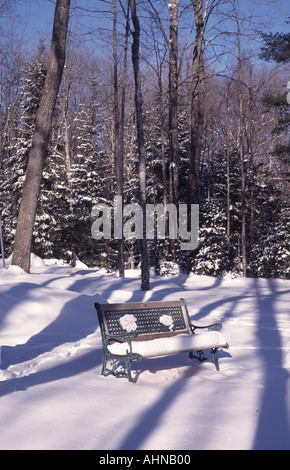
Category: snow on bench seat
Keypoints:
(177, 344)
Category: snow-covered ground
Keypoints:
(52, 395)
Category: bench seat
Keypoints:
(177, 344)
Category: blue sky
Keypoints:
(38, 14)
(272, 12)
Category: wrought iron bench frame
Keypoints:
(112, 332)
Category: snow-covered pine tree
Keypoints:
(16, 162)
(212, 256)
(53, 205)
(51, 223)
(281, 253)
(91, 176)
(216, 252)
(157, 177)
(272, 253)
(156, 141)
(269, 254)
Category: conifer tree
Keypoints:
(16, 162)
(91, 176)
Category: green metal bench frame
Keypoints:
(149, 327)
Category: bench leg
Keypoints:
(114, 366)
(116, 362)
(104, 363)
(128, 361)
(128, 367)
(215, 359)
(202, 358)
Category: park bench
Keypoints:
(140, 330)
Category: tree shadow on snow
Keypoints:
(86, 362)
(149, 420)
(272, 431)
(75, 322)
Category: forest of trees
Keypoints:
(211, 107)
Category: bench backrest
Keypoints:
(146, 319)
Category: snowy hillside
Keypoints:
(52, 393)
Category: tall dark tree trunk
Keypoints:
(145, 283)
(120, 184)
(117, 147)
(197, 104)
(38, 152)
(243, 190)
(241, 150)
(173, 133)
(174, 155)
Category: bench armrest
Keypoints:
(126, 337)
(212, 327)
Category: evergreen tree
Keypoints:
(212, 257)
(91, 178)
(51, 223)
(273, 253)
(52, 206)
(273, 258)
(276, 47)
(16, 163)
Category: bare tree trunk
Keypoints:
(173, 74)
(228, 153)
(251, 153)
(117, 152)
(64, 105)
(161, 112)
(241, 151)
(123, 89)
(162, 126)
(38, 152)
(174, 156)
(243, 192)
(145, 284)
(197, 103)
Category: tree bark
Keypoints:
(145, 283)
(197, 104)
(241, 151)
(38, 152)
(117, 148)
(174, 155)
